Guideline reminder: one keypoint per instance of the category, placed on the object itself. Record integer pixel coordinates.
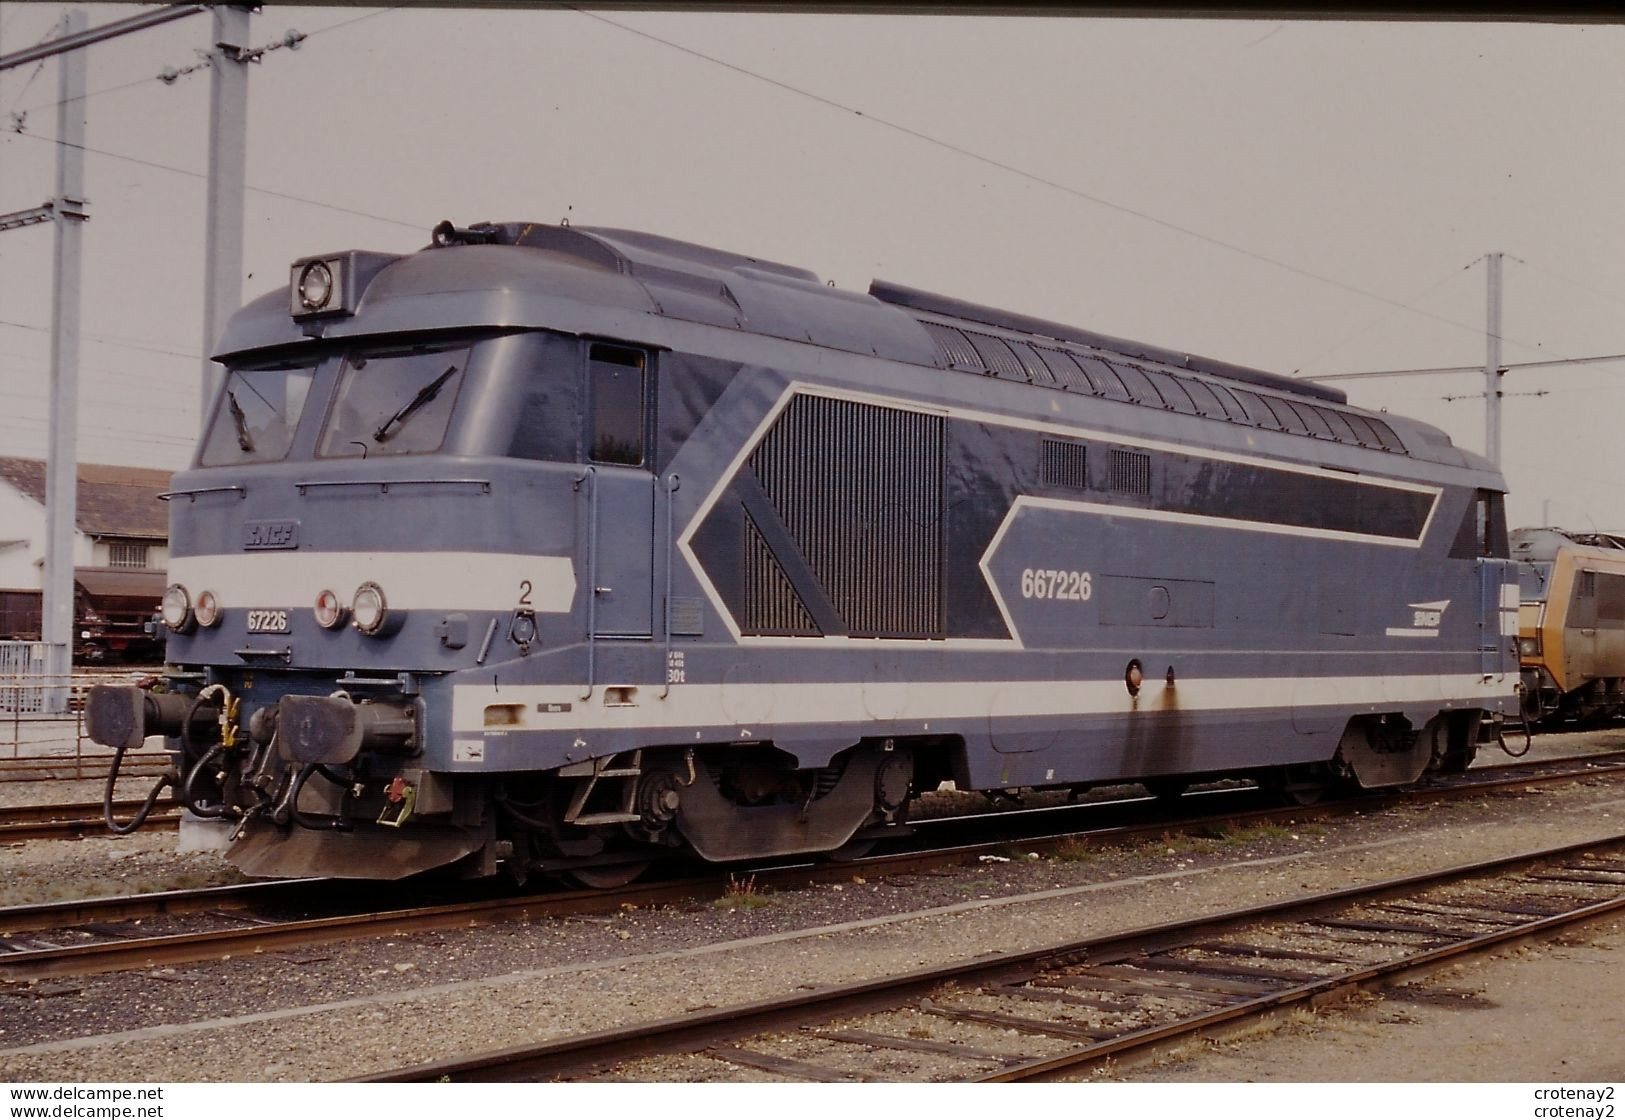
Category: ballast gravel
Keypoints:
(348, 1009)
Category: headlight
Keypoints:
(176, 607)
(1528, 647)
(207, 610)
(315, 286)
(329, 611)
(368, 608)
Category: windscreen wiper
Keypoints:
(244, 440)
(425, 395)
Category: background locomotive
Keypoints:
(1571, 624)
(552, 548)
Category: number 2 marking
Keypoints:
(524, 592)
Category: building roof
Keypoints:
(111, 501)
(122, 583)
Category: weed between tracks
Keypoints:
(742, 894)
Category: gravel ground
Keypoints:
(351, 1008)
(1534, 1014)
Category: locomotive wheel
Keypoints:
(608, 877)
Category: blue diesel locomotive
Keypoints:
(551, 549)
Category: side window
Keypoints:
(1483, 530)
(1492, 524)
(616, 399)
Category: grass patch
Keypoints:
(1075, 851)
(742, 894)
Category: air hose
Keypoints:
(168, 779)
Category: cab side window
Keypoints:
(616, 396)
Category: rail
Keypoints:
(367, 909)
(1107, 996)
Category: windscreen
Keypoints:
(1532, 580)
(394, 402)
(256, 415)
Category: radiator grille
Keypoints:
(1131, 472)
(859, 489)
(1065, 464)
(771, 605)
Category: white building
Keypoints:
(120, 541)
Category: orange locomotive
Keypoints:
(1571, 623)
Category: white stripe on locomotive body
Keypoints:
(927, 704)
(441, 581)
(954, 412)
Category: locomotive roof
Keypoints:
(588, 280)
(1543, 543)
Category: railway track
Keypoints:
(69, 821)
(72, 821)
(90, 936)
(1056, 1011)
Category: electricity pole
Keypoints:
(228, 157)
(1493, 369)
(62, 458)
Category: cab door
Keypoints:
(1580, 630)
(1497, 617)
(621, 511)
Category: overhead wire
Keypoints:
(203, 175)
(1385, 316)
(160, 77)
(1579, 285)
(34, 73)
(1362, 375)
(1054, 184)
(127, 344)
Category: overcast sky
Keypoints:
(1299, 196)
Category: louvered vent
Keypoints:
(956, 348)
(997, 357)
(771, 605)
(1131, 473)
(1065, 464)
(859, 488)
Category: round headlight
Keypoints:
(1527, 647)
(329, 611)
(176, 607)
(315, 286)
(207, 609)
(368, 608)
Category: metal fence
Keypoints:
(23, 677)
(42, 722)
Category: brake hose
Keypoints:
(168, 779)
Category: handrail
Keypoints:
(672, 483)
(591, 476)
(384, 484)
(168, 494)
